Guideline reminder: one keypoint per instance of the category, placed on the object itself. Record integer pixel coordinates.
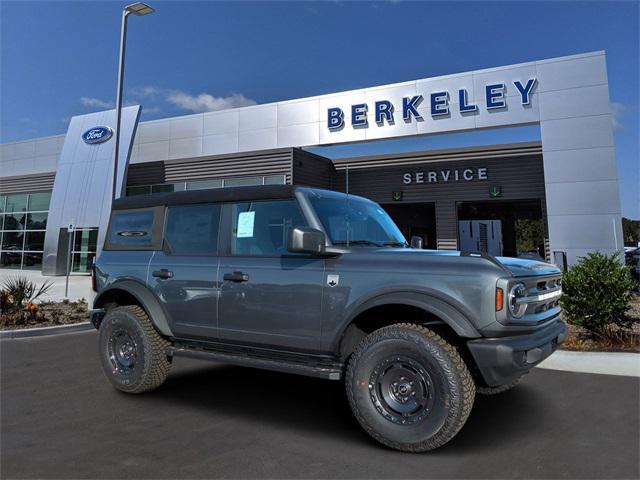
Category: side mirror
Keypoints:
(306, 240)
(416, 241)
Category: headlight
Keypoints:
(517, 292)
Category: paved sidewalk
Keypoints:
(79, 285)
(608, 363)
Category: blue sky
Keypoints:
(59, 58)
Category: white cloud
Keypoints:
(205, 102)
(95, 103)
(617, 110)
(146, 91)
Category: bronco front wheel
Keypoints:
(409, 388)
(132, 352)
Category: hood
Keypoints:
(518, 267)
(523, 267)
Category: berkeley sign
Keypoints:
(384, 110)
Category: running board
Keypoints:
(329, 372)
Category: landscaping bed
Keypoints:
(600, 307)
(46, 314)
(22, 306)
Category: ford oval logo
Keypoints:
(97, 135)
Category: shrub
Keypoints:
(20, 291)
(597, 292)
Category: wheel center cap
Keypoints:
(404, 388)
(127, 349)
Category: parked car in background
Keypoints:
(632, 259)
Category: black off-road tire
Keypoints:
(428, 381)
(132, 352)
(498, 389)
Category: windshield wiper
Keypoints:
(359, 242)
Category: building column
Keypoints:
(581, 181)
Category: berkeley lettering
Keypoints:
(439, 105)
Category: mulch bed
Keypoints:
(49, 314)
(612, 340)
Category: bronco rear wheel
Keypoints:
(409, 388)
(132, 352)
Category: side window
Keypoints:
(261, 228)
(192, 229)
(131, 229)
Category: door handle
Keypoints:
(237, 277)
(163, 274)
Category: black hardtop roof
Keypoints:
(226, 194)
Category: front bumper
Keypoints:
(502, 360)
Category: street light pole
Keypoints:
(137, 9)
(123, 41)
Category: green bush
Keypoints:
(18, 292)
(597, 292)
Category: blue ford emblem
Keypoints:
(97, 135)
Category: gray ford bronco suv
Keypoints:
(319, 283)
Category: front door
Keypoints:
(269, 296)
(184, 275)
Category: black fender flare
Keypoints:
(145, 298)
(433, 302)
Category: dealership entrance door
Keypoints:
(415, 219)
(517, 225)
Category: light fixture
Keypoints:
(139, 8)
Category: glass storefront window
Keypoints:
(85, 239)
(204, 184)
(23, 221)
(14, 221)
(238, 182)
(12, 240)
(16, 203)
(83, 261)
(32, 261)
(39, 202)
(139, 190)
(37, 221)
(85, 242)
(166, 188)
(275, 180)
(10, 259)
(34, 241)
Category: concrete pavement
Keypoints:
(61, 419)
(607, 363)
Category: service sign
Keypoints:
(97, 135)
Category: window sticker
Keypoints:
(245, 224)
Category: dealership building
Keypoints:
(557, 197)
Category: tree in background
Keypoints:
(630, 230)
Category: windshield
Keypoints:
(354, 221)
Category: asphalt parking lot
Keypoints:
(61, 419)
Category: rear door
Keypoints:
(184, 274)
(268, 296)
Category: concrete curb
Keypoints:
(42, 331)
(606, 363)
